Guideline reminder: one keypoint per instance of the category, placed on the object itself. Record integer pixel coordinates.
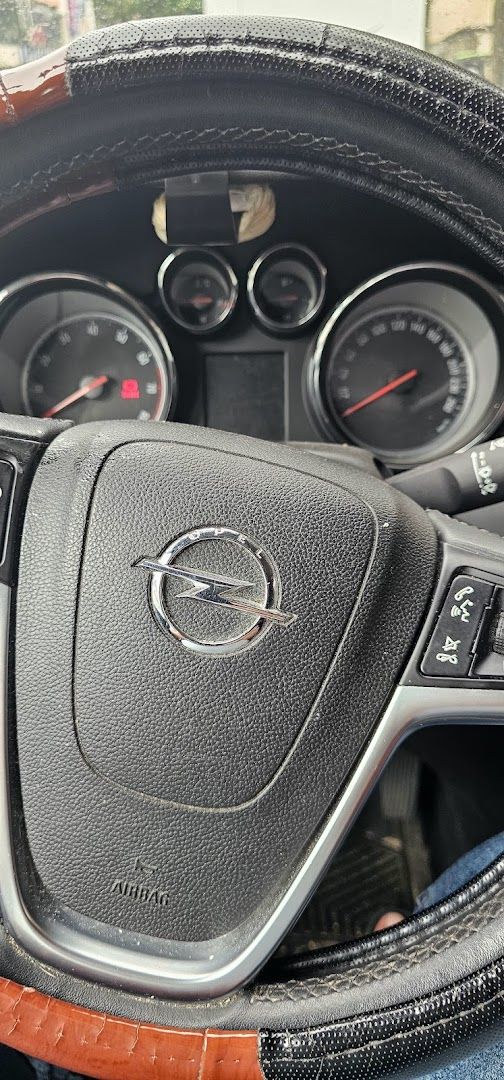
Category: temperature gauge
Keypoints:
(198, 289)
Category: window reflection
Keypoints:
(469, 33)
(31, 28)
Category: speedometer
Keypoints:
(409, 365)
(398, 379)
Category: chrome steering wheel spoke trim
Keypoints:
(222, 965)
(215, 968)
(61, 937)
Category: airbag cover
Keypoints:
(210, 774)
(206, 730)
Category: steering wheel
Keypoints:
(210, 644)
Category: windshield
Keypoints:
(468, 32)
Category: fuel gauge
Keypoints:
(198, 289)
(286, 287)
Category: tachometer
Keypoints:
(80, 348)
(96, 367)
(409, 366)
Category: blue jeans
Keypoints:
(488, 1064)
(467, 867)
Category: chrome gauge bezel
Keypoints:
(305, 255)
(12, 298)
(484, 407)
(201, 255)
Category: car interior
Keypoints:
(252, 556)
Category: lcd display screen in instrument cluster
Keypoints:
(245, 393)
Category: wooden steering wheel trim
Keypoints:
(111, 1048)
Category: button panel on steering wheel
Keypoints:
(452, 645)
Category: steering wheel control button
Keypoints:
(228, 596)
(7, 477)
(450, 650)
(489, 666)
(489, 658)
(497, 634)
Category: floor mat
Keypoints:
(382, 866)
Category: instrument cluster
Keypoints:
(408, 365)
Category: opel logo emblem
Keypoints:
(255, 604)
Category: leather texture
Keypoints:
(344, 104)
(419, 133)
(422, 956)
(383, 1043)
(210, 740)
(357, 562)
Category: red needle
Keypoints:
(401, 379)
(200, 301)
(77, 394)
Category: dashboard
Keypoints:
(347, 321)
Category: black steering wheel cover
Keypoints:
(344, 103)
(375, 1008)
(420, 133)
(302, 52)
